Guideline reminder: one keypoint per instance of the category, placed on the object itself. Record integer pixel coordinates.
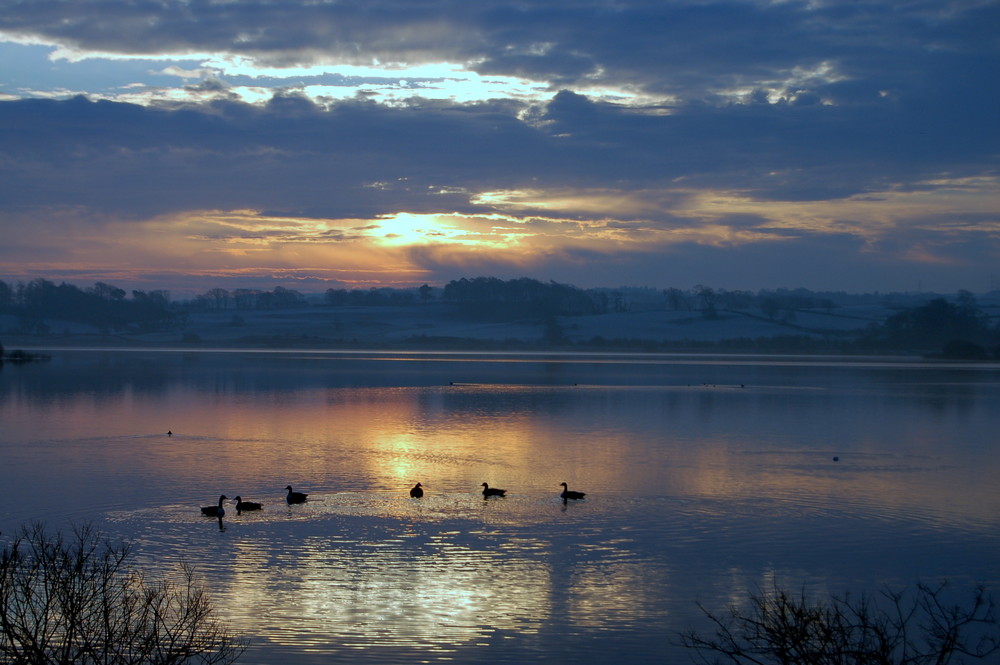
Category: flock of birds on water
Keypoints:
(416, 492)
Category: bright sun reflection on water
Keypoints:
(697, 490)
(355, 571)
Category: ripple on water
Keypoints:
(355, 571)
(370, 572)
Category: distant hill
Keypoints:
(486, 313)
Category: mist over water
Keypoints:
(705, 476)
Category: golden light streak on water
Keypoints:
(695, 491)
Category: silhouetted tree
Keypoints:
(770, 307)
(219, 298)
(966, 302)
(600, 301)
(151, 309)
(107, 292)
(708, 299)
(340, 297)
(335, 297)
(282, 298)
(244, 298)
(618, 302)
(677, 299)
(936, 323)
(374, 296)
(401, 297)
(103, 306)
(494, 298)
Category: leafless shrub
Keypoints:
(75, 599)
(920, 627)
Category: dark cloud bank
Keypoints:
(297, 158)
(914, 99)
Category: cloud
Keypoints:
(683, 49)
(612, 138)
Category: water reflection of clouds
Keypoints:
(433, 589)
(602, 594)
(695, 491)
(376, 571)
(529, 438)
(419, 591)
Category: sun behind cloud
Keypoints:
(408, 229)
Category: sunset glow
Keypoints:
(307, 139)
(670, 308)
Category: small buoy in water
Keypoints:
(170, 433)
(836, 459)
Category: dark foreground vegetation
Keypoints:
(924, 627)
(955, 327)
(76, 600)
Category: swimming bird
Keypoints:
(492, 491)
(417, 491)
(215, 511)
(295, 497)
(242, 505)
(567, 493)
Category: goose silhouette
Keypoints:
(215, 511)
(492, 491)
(295, 497)
(417, 491)
(567, 493)
(242, 505)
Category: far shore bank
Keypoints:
(439, 327)
(47, 349)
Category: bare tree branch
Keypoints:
(76, 601)
(921, 627)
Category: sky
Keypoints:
(845, 145)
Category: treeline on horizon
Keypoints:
(927, 321)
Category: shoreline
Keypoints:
(48, 352)
(436, 327)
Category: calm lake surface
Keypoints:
(705, 477)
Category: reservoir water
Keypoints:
(706, 477)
